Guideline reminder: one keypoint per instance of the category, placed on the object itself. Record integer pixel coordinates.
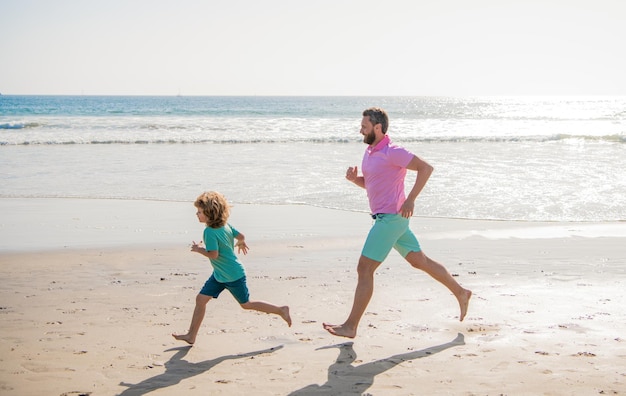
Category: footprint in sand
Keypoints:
(75, 393)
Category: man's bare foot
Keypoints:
(184, 337)
(340, 330)
(284, 313)
(464, 302)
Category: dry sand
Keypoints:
(93, 289)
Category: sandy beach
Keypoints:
(92, 290)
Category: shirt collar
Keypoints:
(382, 144)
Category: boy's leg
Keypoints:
(362, 295)
(263, 306)
(196, 320)
(239, 290)
(438, 272)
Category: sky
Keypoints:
(318, 47)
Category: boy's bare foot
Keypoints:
(464, 302)
(340, 330)
(184, 337)
(284, 313)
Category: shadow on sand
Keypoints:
(346, 379)
(177, 369)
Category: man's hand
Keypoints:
(407, 209)
(352, 173)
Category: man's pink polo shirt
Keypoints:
(384, 169)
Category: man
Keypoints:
(384, 168)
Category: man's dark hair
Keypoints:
(377, 116)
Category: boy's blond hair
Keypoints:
(215, 208)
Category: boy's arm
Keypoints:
(198, 248)
(241, 244)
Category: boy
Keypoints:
(228, 273)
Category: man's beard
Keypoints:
(369, 138)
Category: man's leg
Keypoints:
(196, 320)
(420, 261)
(362, 295)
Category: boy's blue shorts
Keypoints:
(389, 231)
(238, 288)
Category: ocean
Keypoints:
(501, 158)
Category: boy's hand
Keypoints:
(196, 247)
(242, 247)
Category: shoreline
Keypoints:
(93, 311)
(82, 223)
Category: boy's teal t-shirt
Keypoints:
(226, 267)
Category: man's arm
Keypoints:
(424, 170)
(352, 174)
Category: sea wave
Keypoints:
(615, 138)
(19, 125)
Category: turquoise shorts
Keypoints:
(389, 231)
(238, 288)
